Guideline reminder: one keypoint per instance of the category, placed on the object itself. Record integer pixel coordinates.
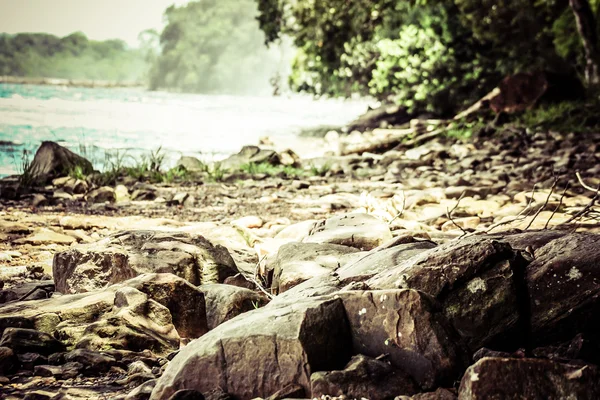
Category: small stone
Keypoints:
(38, 200)
(248, 222)
(101, 195)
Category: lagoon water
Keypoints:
(100, 123)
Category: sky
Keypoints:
(98, 19)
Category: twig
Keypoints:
(519, 216)
(401, 211)
(589, 205)
(582, 183)
(558, 206)
(543, 205)
(449, 214)
(255, 278)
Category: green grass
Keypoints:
(566, 116)
(320, 170)
(24, 169)
(273, 170)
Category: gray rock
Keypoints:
(30, 341)
(52, 160)
(513, 378)
(263, 351)
(404, 325)
(298, 262)
(363, 377)
(361, 231)
(103, 194)
(224, 302)
(9, 362)
(127, 254)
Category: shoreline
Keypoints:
(85, 83)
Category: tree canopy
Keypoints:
(214, 46)
(425, 55)
(71, 57)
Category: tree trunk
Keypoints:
(586, 25)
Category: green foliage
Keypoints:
(568, 116)
(77, 173)
(23, 168)
(321, 170)
(272, 170)
(213, 46)
(70, 57)
(424, 55)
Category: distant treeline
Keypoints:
(71, 57)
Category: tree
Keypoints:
(429, 55)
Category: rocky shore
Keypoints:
(445, 270)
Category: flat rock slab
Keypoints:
(361, 231)
(380, 259)
(263, 351)
(127, 254)
(298, 262)
(513, 378)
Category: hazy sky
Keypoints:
(98, 19)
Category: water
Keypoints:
(100, 123)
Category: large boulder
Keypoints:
(403, 325)
(478, 282)
(514, 378)
(30, 341)
(224, 302)
(298, 262)
(127, 254)
(358, 230)
(263, 351)
(150, 311)
(363, 377)
(52, 160)
(563, 283)
(380, 259)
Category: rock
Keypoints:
(38, 200)
(361, 231)
(30, 341)
(143, 391)
(66, 371)
(121, 193)
(363, 377)
(191, 164)
(93, 362)
(292, 391)
(479, 283)
(466, 223)
(563, 283)
(404, 325)
(249, 222)
(382, 258)
(136, 324)
(298, 262)
(9, 362)
(250, 155)
(263, 351)
(46, 236)
(138, 367)
(186, 303)
(440, 394)
(13, 227)
(75, 186)
(513, 378)
(296, 232)
(187, 395)
(290, 158)
(52, 160)
(29, 360)
(103, 194)
(224, 302)
(126, 254)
